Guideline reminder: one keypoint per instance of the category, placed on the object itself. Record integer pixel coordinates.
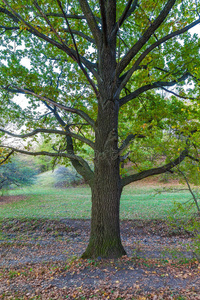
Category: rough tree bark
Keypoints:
(105, 238)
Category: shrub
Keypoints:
(66, 176)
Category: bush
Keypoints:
(190, 223)
(67, 177)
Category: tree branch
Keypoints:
(79, 167)
(8, 13)
(34, 31)
(110, 7)
(158, 84)
(10, 27)
(77, 52)
(145, 37)
(48, 100)
(69, 16)
(70, 52)
(125, 77)
(76, 32)
(104, 21)
(87, 174)
(128, 140)
(155, 171)
(6, 158)
(90, 20)
(49, 23)
(177, 95)
(126, 13)
(54, 131)
(193, 158)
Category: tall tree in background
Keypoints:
(94, 75)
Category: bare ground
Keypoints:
(10, 199)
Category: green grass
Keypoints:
(137, 202)
(147, 203)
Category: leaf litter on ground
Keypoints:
(40, 260)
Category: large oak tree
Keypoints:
(94, 73)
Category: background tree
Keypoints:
(94, 76)
(15, 174)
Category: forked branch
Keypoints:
(155, 171)
(125, 77)
(158, 84)
(79, 112)
(59, 44)
(77, 52)
(145, 37)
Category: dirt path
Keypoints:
(39, 258)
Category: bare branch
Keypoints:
(52, 154)
(188, 184)
(177, 95)
(193, 158)
(155, 171)
(48, 22)
(53, 131)
(124, 14)
(10, 28)
(190, 189)
(8, 13)
(69, 16)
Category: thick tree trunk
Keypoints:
(105, 238)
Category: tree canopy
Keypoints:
(113, 80)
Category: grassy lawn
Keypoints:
(137, 202)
